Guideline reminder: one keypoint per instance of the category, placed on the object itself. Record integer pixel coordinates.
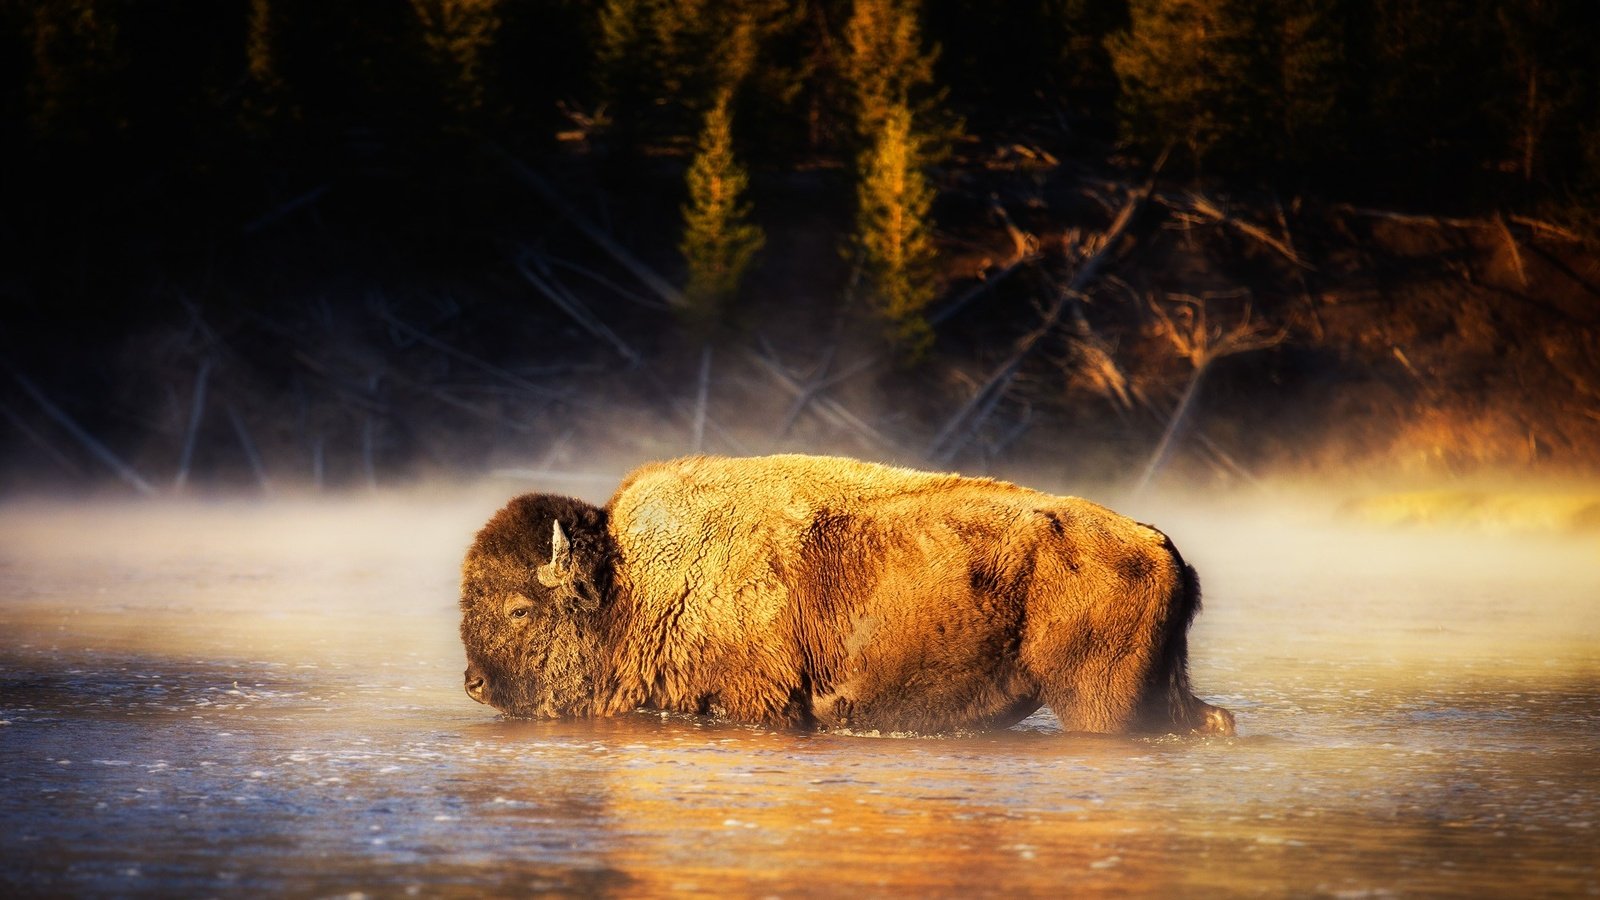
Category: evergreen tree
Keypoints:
(1424, 71)
(893, 233)
(809, 85)
(1547, 99)
(173, 92)
(1083, 63)
(458, 34)
(1241, 85)
(884, 60)
(885, 65)
(659, 61)
(762, 45)
(1549, 94)
(260, 59)
(719, 240)
(621, 27)
(652, 54)
(1311, 111)
(1043, 56)
(265, 88)
(1194, 72)
(77, 58)
(543, 56)
(684, 32)
(352, 63)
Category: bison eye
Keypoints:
(517, 607)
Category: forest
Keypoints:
(262, 243)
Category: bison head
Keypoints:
(533, 588)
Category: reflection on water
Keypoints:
(266, 699)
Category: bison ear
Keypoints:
(558, 571)
(571, 591)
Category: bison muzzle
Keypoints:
(826, 593)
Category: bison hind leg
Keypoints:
(1181, 712)
(1168, 704)
(1214, 720)
(1172, 709)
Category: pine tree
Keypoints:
(683, 32)
(458, 34)
(77, 56)
(265, 89)
(1425, 71)
(621, 30)
(1550, 86)
(661, 62)
(884, 63)
(719, 240)
(893, 233)
(1312, 108)
(1193, 72)
(1044, 55)
(1082, 58)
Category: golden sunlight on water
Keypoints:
(265, 698)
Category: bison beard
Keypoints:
(822, 592)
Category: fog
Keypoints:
(174, 577)
(216, 694)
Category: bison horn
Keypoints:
(559, 569)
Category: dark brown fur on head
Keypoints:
(535, 643)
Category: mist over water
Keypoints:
(206, 697)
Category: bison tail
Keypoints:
(1171, 672)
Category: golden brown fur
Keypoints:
(826, 592)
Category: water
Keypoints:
(215, 698)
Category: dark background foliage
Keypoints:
(304, 199)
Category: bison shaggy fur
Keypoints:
(828, 593)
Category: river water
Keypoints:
(220, 698)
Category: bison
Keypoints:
(827, 593)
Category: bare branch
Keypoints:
(248, 445)
(1549, 229)
(1511, 244)
(545, 262)
(579, 312)
(1198, 204)
(448, 350)
(1158, 458)
(1201, 346)
(1537, 226)
(828, 409)
(646, 275)
(699, 430)
(61, 459)
(197, 408)
(949, 439)
(308, 198)
(1299, 273)
(96, 448)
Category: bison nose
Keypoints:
(477, 685)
